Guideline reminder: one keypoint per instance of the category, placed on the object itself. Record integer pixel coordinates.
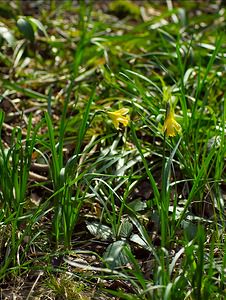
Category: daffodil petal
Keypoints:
(119, 116)
(123, 111)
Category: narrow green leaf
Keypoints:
(151, 178)
(26, 91)
(38, 24)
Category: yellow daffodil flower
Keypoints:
(170, 125)
(119, 116)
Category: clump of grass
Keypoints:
(65, 287)
(124, 8)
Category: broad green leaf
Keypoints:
(26, 29)
(115, 255)
(125, 229)
(138, 240)
(7, 35)
(190, 229)
(100, 231)
(137, 205)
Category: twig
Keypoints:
(33, 286)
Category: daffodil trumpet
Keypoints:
(170, 127)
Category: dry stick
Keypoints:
(33, 286)
(37, 177)
(39, 167)
(11, 128)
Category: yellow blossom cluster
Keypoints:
(171, 127)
